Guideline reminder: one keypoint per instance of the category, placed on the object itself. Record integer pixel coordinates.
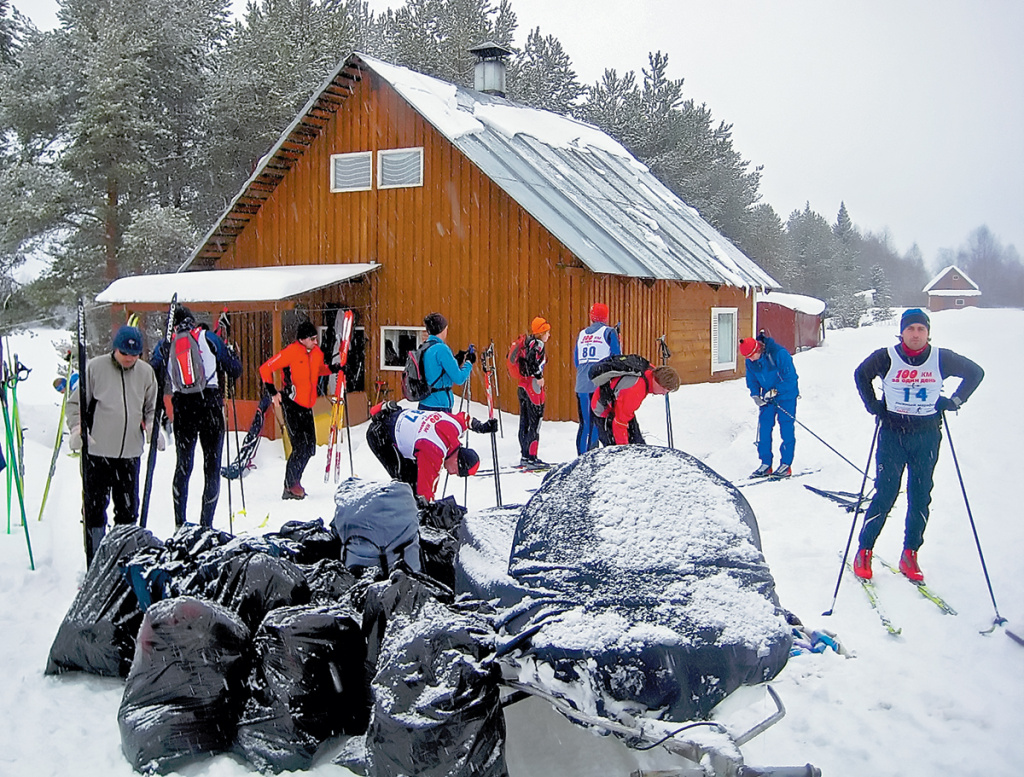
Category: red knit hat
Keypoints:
(539, 326)
(599, 312)
(749, 346)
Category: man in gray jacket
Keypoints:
(120, 402)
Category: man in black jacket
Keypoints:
(910, 429)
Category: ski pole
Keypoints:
(462, 404)
(837, 453)
(59, 441)
(999, 619)
(469, 408)
(238, 447)
(497, 394)
(487, 364)
(856, 515)
(666, 354)
(227, 455)
(348, 430)
(161, 379)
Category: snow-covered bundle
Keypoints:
(635, 582)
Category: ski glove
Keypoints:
(952, 404)
(490, 426)
(270, 388)
(334, 368)
(770, 395)
(460, 357)
(161, 441)
(471, 355)
(759, 401)
(877, 407)
(75, 438)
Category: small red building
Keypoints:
(950, 289)
(794, 321)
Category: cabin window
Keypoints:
(959, 303)
(396, 342)
(352, 172)
(399, 167)
(956, 277)
(723, 339)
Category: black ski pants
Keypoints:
(302, 433)
(380, 436)
(917, 452)
(109, 479)
(607, 436)
(530, 416)
(197, 417)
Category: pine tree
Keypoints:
(882, 296)
(542, 76)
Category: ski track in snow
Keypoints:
(940, 699)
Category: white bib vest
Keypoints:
(591, 347)
(912, 390)
(415, 425)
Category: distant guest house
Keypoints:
(951, 289)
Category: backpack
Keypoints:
(602, 373)
(414, 379)
(187, 373)
(515, 353)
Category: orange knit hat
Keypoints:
(539, 326)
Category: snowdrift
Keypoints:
(634, 581)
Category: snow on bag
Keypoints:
(186, 689)
(635, 578)
(98, 632)
(377, 524)
(436, 706)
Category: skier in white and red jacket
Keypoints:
(413, 445)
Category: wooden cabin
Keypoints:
(951, 289)
(795, 321)
(460, 201)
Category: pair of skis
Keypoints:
(487, 362)
(339, 408)
(772, 479)
(872, 593)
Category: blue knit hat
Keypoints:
(915, 316)
(128, 340)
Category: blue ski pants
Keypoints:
(916, 452)
(587, 434)
(783, 411)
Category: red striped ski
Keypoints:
(344, 335)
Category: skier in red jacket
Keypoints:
(616, 409)
(303, 364)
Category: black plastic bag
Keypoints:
(436, 706)
(309, 685)
(306, 542)
(186, 689)
(98, 633)
(254, 583)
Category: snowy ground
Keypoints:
(941, 699)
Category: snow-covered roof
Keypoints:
(584, 187)
(812, 306)
(942, 274)
(255, 284)
(954, 293)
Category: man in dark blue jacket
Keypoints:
(910, 429)
(442, 369)
(772, 381)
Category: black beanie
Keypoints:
(435, 323)
(306, 329)
(915, 316)
(469, 462)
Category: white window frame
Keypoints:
(385, 335)
(959, 302)
(382, 157)
(717, 363)
(336, 158)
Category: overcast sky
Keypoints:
(910, 111)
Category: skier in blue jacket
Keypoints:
(772, 381)
(441, 368)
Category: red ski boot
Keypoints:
(909, 567)
(862, 564)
